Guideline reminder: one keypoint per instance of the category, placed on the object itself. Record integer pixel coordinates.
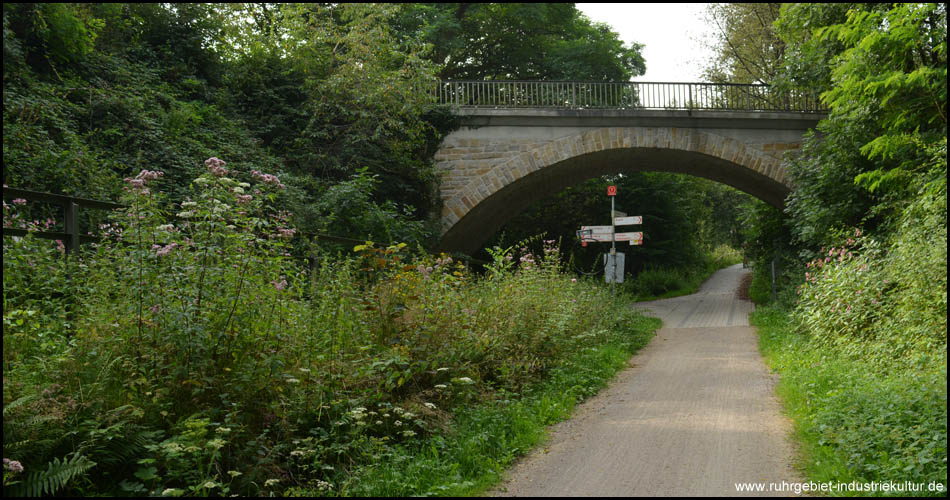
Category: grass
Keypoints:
(484, 440)
(665, 283)
(854, 420)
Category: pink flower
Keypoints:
(165, 249)
(12, 465)
(19, 201)
(216, 166)
(280, 285)
(267, 178)
(149, 175)
(138, 182)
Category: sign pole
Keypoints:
(612, 192)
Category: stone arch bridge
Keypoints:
(512, 150)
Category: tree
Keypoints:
(519, 41)
(342, 98)
(807, 60)
(887, 94)
(895, 63)
(748, 49)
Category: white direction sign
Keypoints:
(599, 230)
(626, 221)
(638, 236)
(599, 237)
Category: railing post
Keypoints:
(72, 227)
(690, 99)
(71, 257)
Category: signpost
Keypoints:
(613, 261)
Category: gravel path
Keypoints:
(693, 415)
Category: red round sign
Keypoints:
(611, 190)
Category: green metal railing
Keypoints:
(70, 205)
(622, 95)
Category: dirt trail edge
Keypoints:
(694, 414)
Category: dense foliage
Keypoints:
(886, 299)
(203, 359)
(878, 170)
(168, 83)
(520, 41)
(330, 96)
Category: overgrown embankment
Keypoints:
(855, 419)
(195, 356)
(863, 353)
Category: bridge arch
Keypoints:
(486, 182)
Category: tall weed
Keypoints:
(207, 361)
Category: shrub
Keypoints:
(36, 298)
(858, 421)
(865, 298)
(207, 361)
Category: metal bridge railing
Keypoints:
(622, 95)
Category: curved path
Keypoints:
(693, 415)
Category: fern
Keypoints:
(55, 477)
(12, 405)
(119, 443)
